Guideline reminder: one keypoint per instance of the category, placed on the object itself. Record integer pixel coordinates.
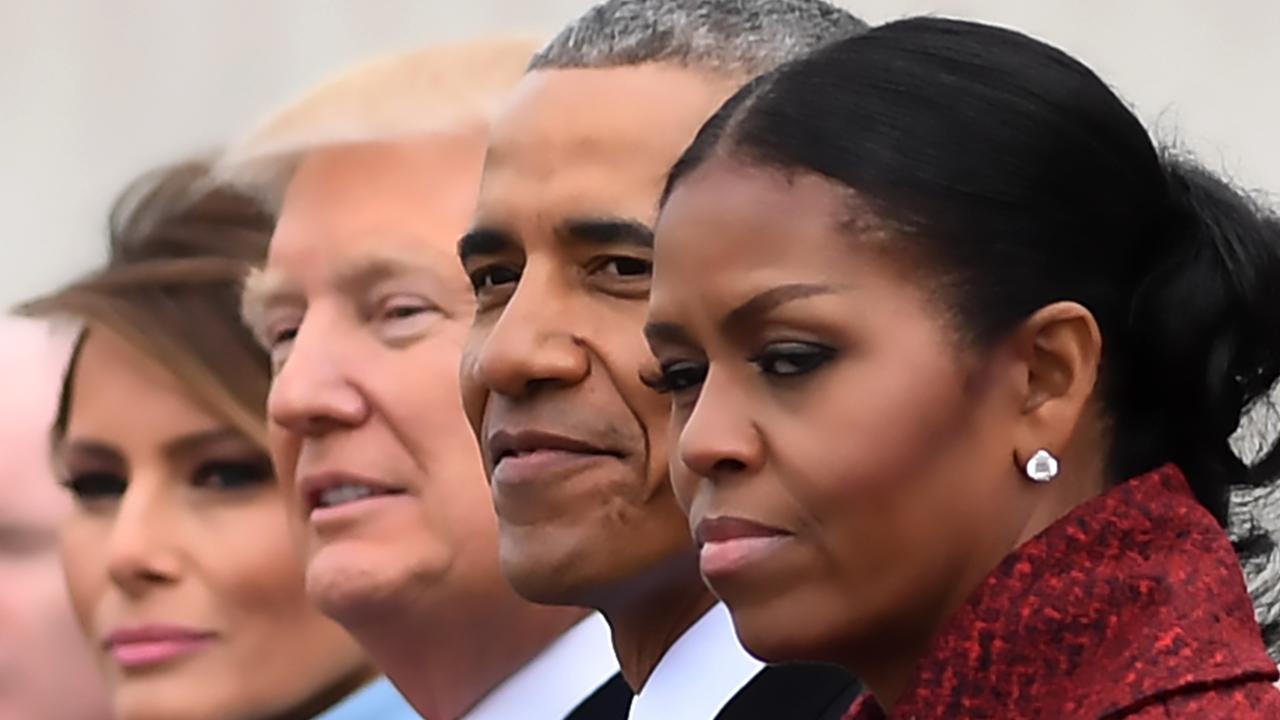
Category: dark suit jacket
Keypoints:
(783, 692)
(793, 692)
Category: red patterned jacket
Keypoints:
(1131, 606)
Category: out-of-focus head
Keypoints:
(559, 259)
(46, 670)
(364, 308)
(179, 560)
(939, 248)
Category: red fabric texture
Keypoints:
(1131, 606)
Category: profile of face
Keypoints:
(559, 258)
(364, 309)
(180, 565)
(841, 454)
(46, 670)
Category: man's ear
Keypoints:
(1060, 350)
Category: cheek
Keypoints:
(253, 570)
(881, 448)
(420, 398)
(473, 393)
(627, 357)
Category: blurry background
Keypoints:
(92, 92)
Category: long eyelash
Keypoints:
(656, 381)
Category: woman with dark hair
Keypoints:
(178, 554)
(953, 405)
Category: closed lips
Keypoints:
(503, 444)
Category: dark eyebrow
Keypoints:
(666, 332)
(606, 231)
(188, 444)
(97, 451)
(749, 312)
(485, 241)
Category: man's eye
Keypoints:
(403, 308)
(94, 486)
(279, 336)
(493, 276)
(791, 359)
(627, 267)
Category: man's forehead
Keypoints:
(592, 143)
(646, 108)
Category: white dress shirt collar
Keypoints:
(378, 700)
(701, 672)
(551, 685)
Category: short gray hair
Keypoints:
(731, 37)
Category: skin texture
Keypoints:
(178, 522)
(45, 669)
(364, 308)
(819, 391)
(560, 259)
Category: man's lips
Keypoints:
(333, 488)
(503, 444)
(146, 645)
(522, 457)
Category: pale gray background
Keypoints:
(94, 91)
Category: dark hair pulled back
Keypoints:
(1018, 179)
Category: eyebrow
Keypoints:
(485, 241)
(607, 231)
(263, 288)
(184, 445)
(750, 312)
(596, 231)
(666, 332)
(361, 273)
(740, 317)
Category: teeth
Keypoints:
(342, 494)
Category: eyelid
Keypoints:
(385, 303)
(276, 321)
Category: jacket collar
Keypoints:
(1132, 595)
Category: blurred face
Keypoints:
(559, 258)
(364, 308)
(844, 463)
(181, 569)
(46, 671)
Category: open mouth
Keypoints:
(347, 493)
(334, 490)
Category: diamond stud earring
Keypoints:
(1042, 467)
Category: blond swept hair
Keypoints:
(441, 89)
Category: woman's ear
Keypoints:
(1060, 350)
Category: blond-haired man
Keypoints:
(364, 309)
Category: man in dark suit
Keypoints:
(560, 258)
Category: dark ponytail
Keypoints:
(1205, 328)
